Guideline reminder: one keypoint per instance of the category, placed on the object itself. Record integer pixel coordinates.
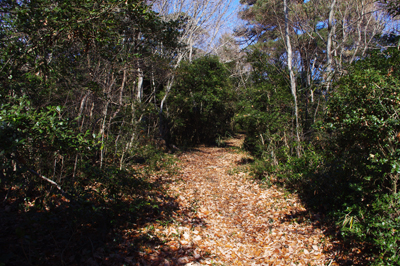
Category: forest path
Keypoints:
(231, 220)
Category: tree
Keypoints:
(201, 102)
(203, 20)
(265, 109)
(331, 30)
(79, 60)
(229, 52)
(291, 72)
(363, 144)
(323, 37)
(276, 25)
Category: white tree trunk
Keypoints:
(291, 73)
(139, 85)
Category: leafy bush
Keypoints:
(38, 141)
(265, 110)
(364, 126)
(200, 107)
(351, 168)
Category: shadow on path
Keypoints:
(91, 232)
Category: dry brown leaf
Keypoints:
(236, 222)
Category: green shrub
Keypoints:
(265, 110)
(362, 159)
(351, 171)
(200, 106)
(38, 141)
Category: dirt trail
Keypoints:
(231, 220)
(208, 213)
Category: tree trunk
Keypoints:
(139, 84)
(291, 73)
(103, 124)
(331, 31)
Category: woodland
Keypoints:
(108, 106)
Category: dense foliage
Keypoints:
(350, 165)
(201, 105)
(69, 70)
(77, 113)
(346, 164)
(363, 126)
(265, 110)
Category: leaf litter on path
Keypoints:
(225, 218)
